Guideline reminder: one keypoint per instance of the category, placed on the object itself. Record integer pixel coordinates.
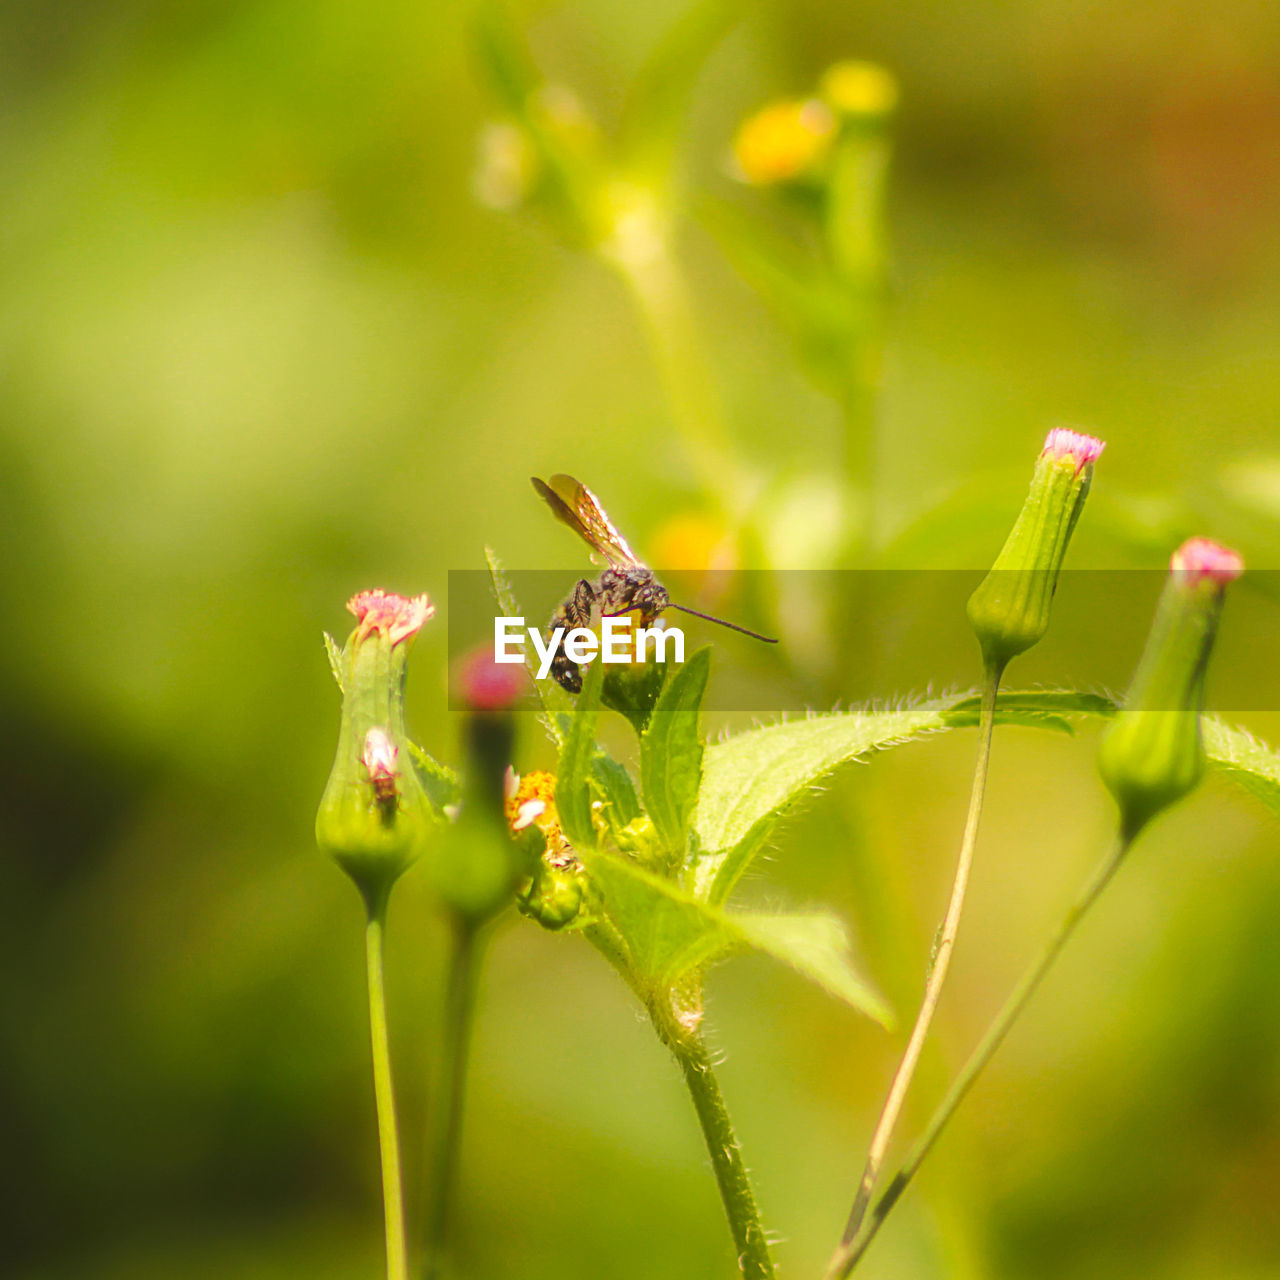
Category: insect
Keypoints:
(626, 586)
(379, 758)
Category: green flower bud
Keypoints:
(374, 815)
(1153, 754)
(1009, 611)
(554, 896)
(556, 891)
(477, 867)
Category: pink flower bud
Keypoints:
(1201, 559)
(1080, 448)
(397, 617)
(485, 685)
(1153, 754)
(374, 819)
(1009, 612)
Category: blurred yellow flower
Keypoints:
(692, 540)
(859, 89)
(783, 141)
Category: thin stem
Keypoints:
(938, 969)
(847, 1256)
(384, 1095)
(661, 298)
(726, 1158)
(464, 967)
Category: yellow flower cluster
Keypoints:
(790, 139)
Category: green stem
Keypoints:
(938, 969)
(661, 297)
(848, 1255)
(464, 967)
(384, 1094)
(726, 1157)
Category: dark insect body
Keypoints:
(626, 586)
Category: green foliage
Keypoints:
(1232, 751)
(333, 651)
(752, 779)
(616, 789)
(1246, 761)
(442, 784)
(671, 751)
(577, 758)
(510, 607)
(668, 933)
(816, 945)
(1035, 708)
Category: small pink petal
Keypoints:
(527, 812)
(398, 617)
(1203, 558)
(1065, 443)
(486, 685)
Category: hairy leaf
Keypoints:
(667, 932)
(577, 753)
(1239, 755)
(616, 788)
(750, 780)
(671, 751)
(816, 946)
(438, 780)
(1035, 708)
(1233, 751)
(510, 607)
(334, 652)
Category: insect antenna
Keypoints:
(720, 622)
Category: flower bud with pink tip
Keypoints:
(1153, 754)
(374, 814)
(477, 867)
(1009, 612)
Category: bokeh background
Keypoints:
(262, 347)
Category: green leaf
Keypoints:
(334, 651)
(510, 607)
(671, 751)
(1035, 708)
(750, 780)
(438, 781)
(577, 755)
(816, 946)
(616, 788)
(1232, 751)
(666, 932)
(1248, 762)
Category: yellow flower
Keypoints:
(784, 141)
(531, 801)
(859, 89)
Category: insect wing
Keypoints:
(575, 505)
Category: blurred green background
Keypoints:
(262, 347)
